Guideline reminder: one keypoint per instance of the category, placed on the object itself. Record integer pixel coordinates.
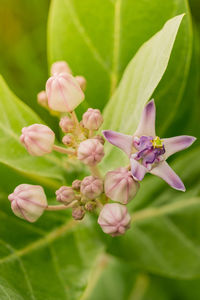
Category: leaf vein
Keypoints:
(80, 28)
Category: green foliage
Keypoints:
(165, 228)
(56, 258)
(23, 61)
(51, 259)
(14, 116)
(140, 79)
(106, 37)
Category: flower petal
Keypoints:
(164, 171)
(147, 122)
(177, 143)
(120, 140)
(137, 169)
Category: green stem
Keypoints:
(74, 117)
(63, 150)
(91, 133)
(60, 207)
(95, 171)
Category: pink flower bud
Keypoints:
(100, 139)
(76, 185)
(42, 99)
(65, 195)
(28, 202)
(92, 119)
(120, 185)
(78, 213)
(60, 67)
(82, 82)
(90, 206)
(91, 187)
(90, 152)
(38, 139)
(114, 219)
(68, 140)
(66, 124)
(63, 92)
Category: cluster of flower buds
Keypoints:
(81, 141)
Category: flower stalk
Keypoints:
(63, 150)
(61, 207)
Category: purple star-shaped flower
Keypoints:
(147, 152)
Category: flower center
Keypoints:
(150, 150)
(157, 143)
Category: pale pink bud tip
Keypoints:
(38, 139)
(114, 219)
(90, 206)
(66, 124)
(92, 119)
(42, 99)
(60, 67)
(91, 187)
(76, 185)
(120, 185)
(65, 195)
(68, 140)
(63, 92)
(82, 82)
(90, 152)
(28, 202)
(78, 213)
(100, 139)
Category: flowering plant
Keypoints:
(87, 212)
(146, 151)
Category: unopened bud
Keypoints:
(76, 185)
(78, 213)
(91, 187)
(42, 99)
(60, 67)
(82, 82)
(120, 185)
(65, 195)
(63, 92)
(90, 152)
(92, 119)
(38, 139)
(66, 124)
(114, 219)
(90, 206)
(100, 139)
(68, 140)
(28, 202)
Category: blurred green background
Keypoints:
(23, 62)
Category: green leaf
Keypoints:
(140, 79)
(120, 281)
(187, 122)
(52, 259)
(15, 115)
(23, 64)
(164, 236)
(99, 39)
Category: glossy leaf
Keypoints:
(23, 64)
(164, 236)
(137, 85)
(15, 115)
(50, 259)
(98, 39)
